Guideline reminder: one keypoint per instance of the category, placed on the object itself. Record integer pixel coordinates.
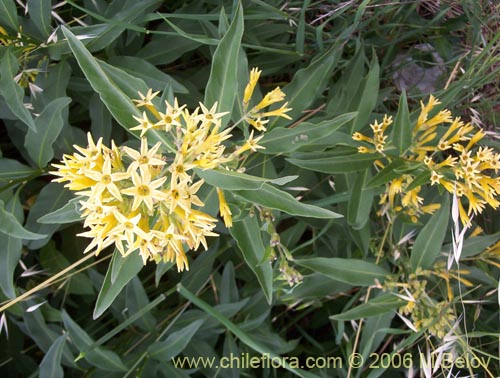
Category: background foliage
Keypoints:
(342, 65)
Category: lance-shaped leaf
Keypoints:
(380, 305)
(337, 164)
(9, 225)
(247, 234)
(351, 271)
(274, 198)
(175, 343)
(98, 357)
(129, 267)
(50, 367)
(308, 84)
(285, 140)
(12, 92)
(48, 125)
(402, 131)
(223, 82)
(429, 241)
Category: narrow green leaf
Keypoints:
(10, 250)
(8, 15)
(430, 239)
(337, 164)
(368, 96)
(273, 198)
(360, 201)
(37, 329)
(152, 76)
(48, 125)
(69, 213)
(247, 234)
(119, 105)
(380, 305)
(351, 271)
(12, 92)
(476, 245)
(39, 11)
(100, 118)
(402, 128)
(51, 197)
(230, 180)
(308, 84)
(285, 140)
(11, 169)
(50, 367)
(161, 269)
(223, 82)
(98, 357)
(175, 343)
(386, 174)
(136, 299)
(238, 332)
(132, 264)
(9, 225)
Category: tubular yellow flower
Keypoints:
(276, 95)
(225, 212)
(254, 77)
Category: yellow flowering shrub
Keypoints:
(146, 199)
(444, 152)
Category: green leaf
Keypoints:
(39, 11)
(12, 169)
(69, 213)
(100, 118)
(387, 174)
(247, 234)
(476, 245)
(360, 201)
(9, 225)
(430, 239)
(136, 299)
(161, 269)
(223, 82)
(48, 125)
(337, 164)
(98, 357)
(231, 180)
(53, 262)
(273, 198)
(131, 265)
(284, 140)
(380, 305)
(175, 343)
(8, 15)
(41, 333)
(119, 105)
(51, 197)
(351, 271)
(50, 367)
(238, 332)
(308, 84)
(402, 129)
(368, 96)
(11, 249)
(120, 19)
(12, 92)
(152, 76)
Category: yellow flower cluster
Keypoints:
(144, 199)
(256, 116)
(448, 156)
